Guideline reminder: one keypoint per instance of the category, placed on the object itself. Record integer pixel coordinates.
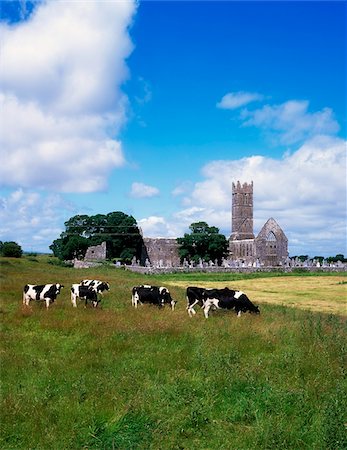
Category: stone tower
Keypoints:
(242, 211)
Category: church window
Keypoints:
(271, 237)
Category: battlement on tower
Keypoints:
(245, 188)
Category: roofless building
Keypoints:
(269, 248)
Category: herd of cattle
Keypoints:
(92, 290)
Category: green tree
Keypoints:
(11, 249)
(118, 230)
(70, 247)
(338, 257)
(204, 242)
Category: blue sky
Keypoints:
(155, 108)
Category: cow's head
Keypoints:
(166, 297)
(104, 286)
(58, 287)
(255, 310)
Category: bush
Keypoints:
(11, 249)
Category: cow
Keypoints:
(98, 286)
(41, 292)
(84, 293)
(153, 295)
(228, 299)
(194, 297)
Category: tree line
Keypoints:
(124, 240)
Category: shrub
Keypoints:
(11, 249)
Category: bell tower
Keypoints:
(242, 211)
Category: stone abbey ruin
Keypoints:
(268, 248)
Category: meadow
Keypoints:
(120, 378)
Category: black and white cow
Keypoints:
(152, 294)
(194, 297)
(84, 293)
(96, 285)
(43, 292)
(228, 299)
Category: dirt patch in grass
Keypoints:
(324, 294)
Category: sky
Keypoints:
(154, 108)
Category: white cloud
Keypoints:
(234, 100)
(156, 226)
(291, 121)
(141, 190)
(305, 192)
(61, 101)
(33, 220)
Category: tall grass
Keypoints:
(120, 378)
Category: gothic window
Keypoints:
(271, 237)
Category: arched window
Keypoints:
(271, 237)
(271, 244)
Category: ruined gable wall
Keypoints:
(161, 252)
(96, 252)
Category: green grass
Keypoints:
(120, 378)
(234, 276)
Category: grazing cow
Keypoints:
(194, 297)
(43, 292)
(152, 294)
(98, 286)
(84, 293)
(228, 299)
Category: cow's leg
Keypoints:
(208, 304)
(173, 305)
(47, 302)
(73, 300)
(190, 308)
(136, 299)
(207, 307)
(239, 313)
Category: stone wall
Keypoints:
(96, 252)
(160, 252)
(287, 269)
(271, 244)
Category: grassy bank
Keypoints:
(156, 379)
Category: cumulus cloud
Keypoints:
(141, 190)
(304, 191)
(33, 220)
(291, 121)
(61, 100)
(157, 226)
(234, 100)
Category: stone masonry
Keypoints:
(268, 248)
(96, 252)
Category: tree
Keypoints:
(204, 242)
(338, 257)
(118, 230)
(11, 249)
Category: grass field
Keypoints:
(119, 378)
